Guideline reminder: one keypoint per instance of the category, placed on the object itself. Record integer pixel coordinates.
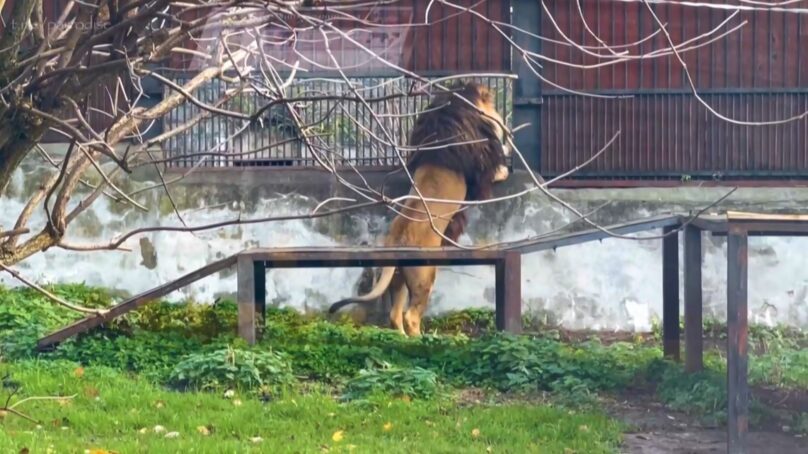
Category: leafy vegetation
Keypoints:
(232, 368)
(305, 361)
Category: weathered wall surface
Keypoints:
(613, 284)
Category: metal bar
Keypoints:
(568, 239)
(683, 91)
(696, 174)
(737, 330)
(694, 337)
(670, 294)
(526, 15)
(327, 257)
(360, 262)
(720, 227)
(133, 303)
(260, 279)
(246, 298)
(509, 293)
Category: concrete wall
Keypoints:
(613, 284)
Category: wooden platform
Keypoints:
(737, 226)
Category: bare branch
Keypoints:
(50, 295)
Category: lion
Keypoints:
(466, 169)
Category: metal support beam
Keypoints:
(670, 294)
(260, 275)
(509, 292)
(246, 298)
(694, 336)
(526, 15)
(737, 330)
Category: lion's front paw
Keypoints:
(502, 174)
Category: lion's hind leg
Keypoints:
(420, 281)
(399, 294)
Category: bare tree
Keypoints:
(48, 70)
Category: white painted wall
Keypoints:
(614, 284)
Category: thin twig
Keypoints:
(50, 295)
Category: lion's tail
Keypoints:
(375, 292)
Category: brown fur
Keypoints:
(454, 172)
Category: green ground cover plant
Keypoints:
(314, 384)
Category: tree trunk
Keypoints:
(15, 143)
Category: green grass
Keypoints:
(309, 378)
(111, 409)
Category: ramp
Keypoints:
(133, 303)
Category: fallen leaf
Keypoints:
(475, 432)
(78, 372)
(90, 391)
(338, 436)
(24, 451)
(387, 427)
(3, 414)
(203, 430)
(172, 435)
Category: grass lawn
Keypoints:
(118, 413)
(173, 378)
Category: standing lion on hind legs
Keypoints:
(473, 159)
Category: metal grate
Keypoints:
(672, 136)
(345, 133)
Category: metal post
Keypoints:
(670, 294)
(694, 336)
(260, 278)
(737, 329)
(246, 298)
(526, 15)
(509, 292)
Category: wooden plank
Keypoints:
(774, 217)
(737, 331)
(509, 293)
(365, 257)
(694, 337)
(670, 294)
(133, 303)
(246, 299)
(756, 224)
(584, 236)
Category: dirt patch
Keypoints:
(655, 429)
(782, 398)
